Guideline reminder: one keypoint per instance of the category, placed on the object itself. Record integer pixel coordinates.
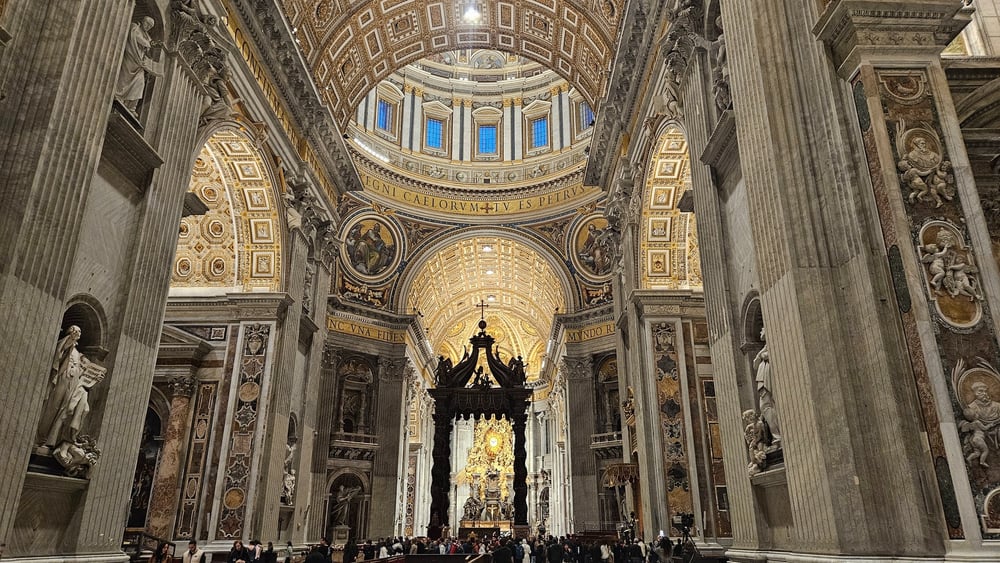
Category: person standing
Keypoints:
(162, 554)
(193, 554)
(289, 552)
(239, 553)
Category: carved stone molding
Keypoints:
(855, 29)
(182, 386)
(577, 369)
(267, 27)
(393, 369)
(635, 47)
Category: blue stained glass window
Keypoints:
(586, 116)
(539, 132)
(435, 134)
(488, 139)
(384, 118)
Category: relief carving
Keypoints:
(922, 167)
(951, 274)
(976, 388)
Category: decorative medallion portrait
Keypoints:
(591, 249)
(371, 248)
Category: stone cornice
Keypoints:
(357, 313)
(636, 44)
(267, 26)
(227, 308)
(669, 303)
(856, 30)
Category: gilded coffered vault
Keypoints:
(669, 241)
(236, 244)
(351, 47)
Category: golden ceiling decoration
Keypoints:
(669, 245)
(237, 243)
(352, 46)
(519, 284)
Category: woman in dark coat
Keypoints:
(238, 554)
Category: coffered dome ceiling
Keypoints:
(352, 46)
(520, 285)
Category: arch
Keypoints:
(86, 312)
(519, 279)
(236, 245)
(351, 50)
(159, 404)
(752, 321)
(361, 477)
(419, 259)
(668, 243)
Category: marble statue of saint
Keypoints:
(288, 487)
(67, 400)
(982, 420)
(135, 64)
(219, 106)
(342, 503)
(765, 398)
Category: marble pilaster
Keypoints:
(58, 73)
(390, 419)
(165, 495)
(579, 373)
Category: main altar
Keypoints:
(494, 394)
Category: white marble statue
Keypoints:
(135, 64)
(765, 397)
(982, 422)
(288, 487)
(67, 406)
(755, 434)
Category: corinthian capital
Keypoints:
(182, 386)
(577, 368)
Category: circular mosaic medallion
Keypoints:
(371, 248)
(234, 498)
(590, 248)
(249, 392)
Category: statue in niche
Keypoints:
(765, 398)
(755, 434)
(342, 503)
(288, 487)
(982, 422)
(135, 64)
(67, 405)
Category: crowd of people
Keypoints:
(493, 549)
(505, 549)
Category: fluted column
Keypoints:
(326, 399)
(314, 443)
(58, 74)
(580, 410)
(390, 418)
(165, 493)
(279, 395)
(155, 239)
